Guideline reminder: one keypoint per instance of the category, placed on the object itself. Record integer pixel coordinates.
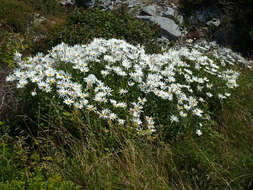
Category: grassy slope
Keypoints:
(223, 159)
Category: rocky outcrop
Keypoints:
(166, 17)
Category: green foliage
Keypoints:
(221, 159)
(9, 44)
(95, 157)
(46, 7)
(21, 169)
(84, 25)
(15, 14)
(37, 183)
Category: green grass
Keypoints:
(15, 14)
(84, 25)
(220, 160)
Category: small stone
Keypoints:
(213, 22)
(67, 2)
(180, 19)
(169, 12)
(163, 39)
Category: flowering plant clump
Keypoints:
(122, 84)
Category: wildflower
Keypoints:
(83, 95)
(198, 132)
(220, 96)
(107, 91)
(130, 83)
(112, 116)
(174, 118)
(17, 56)
(182, 114)
(137, 121)
(121, 105)
(84, 102)
(78, 105)
(200, 88)
(22, 83)
(209, 94)
(91, 108)
(209, 86)
(104, 113)
(126, 64)
(197, 112)
(192, 101)
(10, 78)
(68, 101)
(123, 91)
(165, 76)
(121, 121)
(104, 73)
(142, 100)
(34, 93)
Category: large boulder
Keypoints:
(169, 27)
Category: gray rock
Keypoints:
(162, 39)
(132, 3)
(180, 19)
(169, 27)
(149, 10)
(67, 2)
(169, 12)
(214, 22)
(105, 3)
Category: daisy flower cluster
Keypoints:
(118, 81)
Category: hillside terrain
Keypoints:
(126, 94)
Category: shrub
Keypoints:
(84, 25)
(9, 44)
(124, 86)
(23, 168)
(46, 7)
(16, 14)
